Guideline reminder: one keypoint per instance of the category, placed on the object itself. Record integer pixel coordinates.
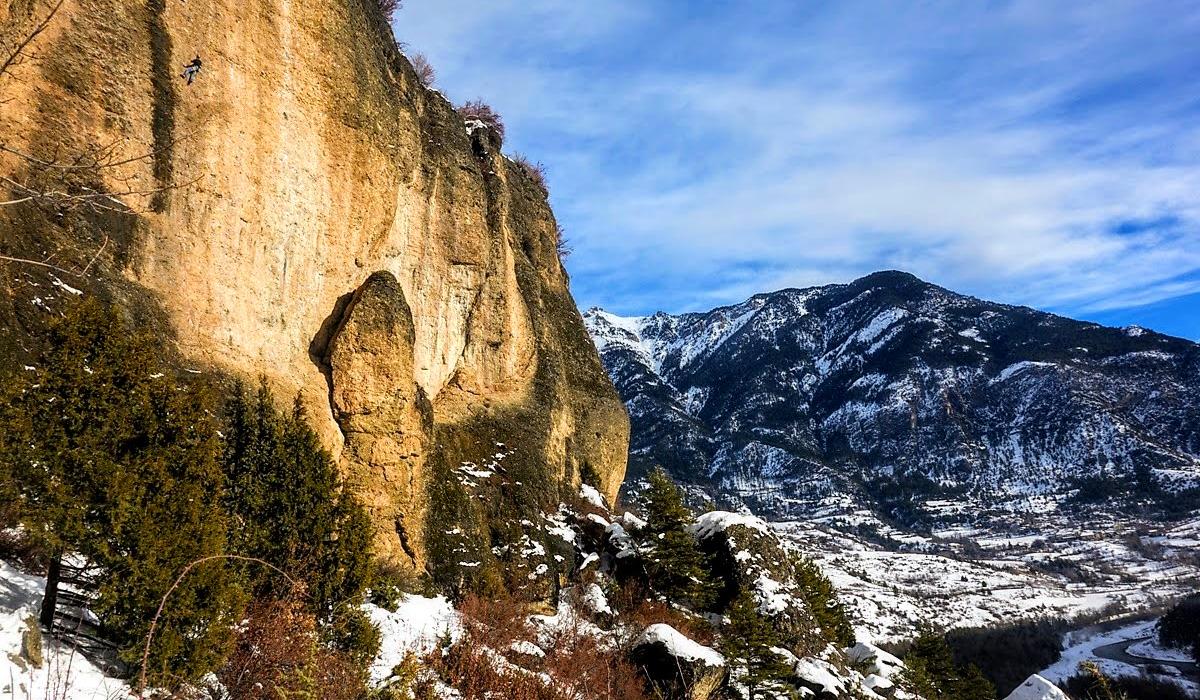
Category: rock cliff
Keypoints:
(306, 210)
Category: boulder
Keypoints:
(678, 667)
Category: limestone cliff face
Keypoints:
(328, 222)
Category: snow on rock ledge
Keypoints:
(680, 646)
(676, 666)
(874, 660)
(820, 676)
(719, 521)
(1037, 688)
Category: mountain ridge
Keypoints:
(891, 389)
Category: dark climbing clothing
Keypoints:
(191, 69)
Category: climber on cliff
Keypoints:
(192, 69)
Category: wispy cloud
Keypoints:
(1037, 153)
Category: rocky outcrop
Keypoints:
(306, 210)
(677, 666)
(385, 417)
(789, 592)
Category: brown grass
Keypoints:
(279, 654)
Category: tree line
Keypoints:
(121, 473)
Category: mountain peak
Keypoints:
(889, 278)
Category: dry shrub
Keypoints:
(389, 7)
(584, 666)
(562, 245)
(480, 111)
(533, 170)
(424, 69)
(483, 663)
(16, 546)
(278, 654)
(501, 620)
(639, 609)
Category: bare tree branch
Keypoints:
(141, 684)
(91, 198)
(62, 181)
(27, 261)
(94, 257)
(20, 49)
(96, 161)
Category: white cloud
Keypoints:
(992, 149)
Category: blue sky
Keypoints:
(1031, 152)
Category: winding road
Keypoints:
(1119, 651)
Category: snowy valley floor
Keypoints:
(962, 577)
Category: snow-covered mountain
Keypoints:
(893, 393)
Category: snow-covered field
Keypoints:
(966, 577)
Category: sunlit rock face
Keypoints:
(312, 214)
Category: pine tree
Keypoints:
(287, 506)
(161, 515)
(747, 641)
(117, 462)
(821, 598)
(675, 565)
(59, 446)
(1180, 627)
(932, 673)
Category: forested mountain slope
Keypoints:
(894, 392)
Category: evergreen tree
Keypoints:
(675, 565)
(1180, 627)
(116, 462)
(287, 507)
(160, 516)
(747, 641)
(821, 598)
(932, 673)
(59, 446)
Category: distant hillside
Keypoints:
(894, 393)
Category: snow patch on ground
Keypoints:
(1017, 368)
(417, 627)
(64, 672)
(1150, 649)
(1082, 645)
